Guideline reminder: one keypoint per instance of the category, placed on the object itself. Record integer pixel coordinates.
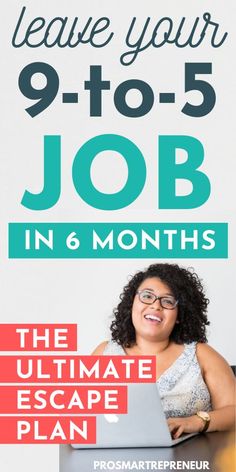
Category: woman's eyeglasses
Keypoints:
(149, 298)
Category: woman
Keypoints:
(162, 312)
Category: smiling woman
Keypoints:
(162, 312)
(154, 317)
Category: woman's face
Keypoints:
(153, 322)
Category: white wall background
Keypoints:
(50, 290)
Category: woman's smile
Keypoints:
(154, 318)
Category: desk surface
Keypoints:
(203, 447)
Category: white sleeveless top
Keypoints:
(182, 389)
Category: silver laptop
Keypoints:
(143, 426)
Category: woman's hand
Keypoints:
(189, 424)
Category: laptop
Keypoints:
(144, 425)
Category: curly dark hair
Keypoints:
(192, 305)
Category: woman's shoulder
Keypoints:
(111, 348)
(209, 358)
(203, 349)
(99, 350)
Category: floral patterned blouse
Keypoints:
(181, 387)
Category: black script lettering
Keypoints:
(54, 32)
(189, 41)
(95, 30)
(207, 18)
(136, 45)
(62, 24)
(166, 33)
(29, 31)
(180, 39)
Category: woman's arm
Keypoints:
(220, 381)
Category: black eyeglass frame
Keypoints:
(157, 298)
